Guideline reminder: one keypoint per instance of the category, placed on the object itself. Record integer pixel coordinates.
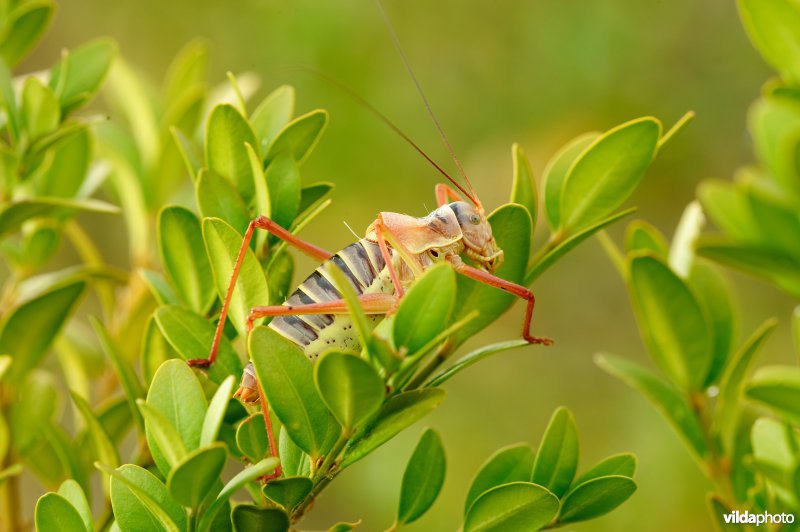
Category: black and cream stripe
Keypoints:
(363, 265)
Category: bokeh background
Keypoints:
(536, 73)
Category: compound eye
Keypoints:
(474, 219)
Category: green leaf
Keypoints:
(54, 512)
(397, 414)
(217, 408)
(299, 136)
(183, 254)
(191, 335)
(155, 350)
(103, 448)
(116, 419)
(251, 518)
(195, 475)
(141, 501)
(773, 27)
(41, 113)
(252, 439)
(164, 441)
(272, 114)
(344, 527)
(11, 471)
(432, 296)
(607, 172)
(235, 484)
(187, 70)
(5, 363)
(509, 464)
(623, 464)
(159, 287)
(311, 196)
(523, 186)
(287, 492)
(472, 358)
(23, 29)
(777, 387)
(176, 395)
(287, 378)
(511, 227)
(349, 386)
(518, 506)
(18, 212)
(78, 76)
(74, 494)
(556, 172)
(565, 246)
(672, 322)
(718, 510)
(126, 374)
(223, 244)
(641, 236)
(226, 134)
(283, 183)
(31, 328)
(595, 498)
(218, 198)
(665, 398)
(557, 458)
(423, 478)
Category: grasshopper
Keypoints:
(396, 250)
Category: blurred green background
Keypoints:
(537, 73)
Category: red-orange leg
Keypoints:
(273, 449)
(445, 193)
(507, 286)
(262, 222)
(387, 258)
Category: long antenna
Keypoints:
(388, 122)
(407, 64)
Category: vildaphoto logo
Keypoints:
(758, 519)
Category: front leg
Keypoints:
(507, 286)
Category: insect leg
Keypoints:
(262, 222)
(387, 258)
(507, 286)
(273, 449)
(445, 192)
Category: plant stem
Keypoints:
(435, 361)
(717, 464)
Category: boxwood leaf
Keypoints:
(183, 254)
(672, 322)
(102, 446)
(523, 185)
(433, 296)
(556, 171)
(41, 112)
(73, 492)
(642, 236)
(191, 335)
(607, 172)
(218, 198)
(518, 506)
(557, 458)
(283, 184)
(31, 328)
(176, 395)
(24, 27)
(423, 478)
(55, 512)
(718, 510)
(397, 414)
(164, 441)
(15, 213)
(217, 408)
(194, 476)
(287, 378)
(78, 76)
(777, 387)
(509, 464)
(665, 398)
(223, 244)
(226, 134)
(272, 114)
(251, 437)
(623, 464)
(473, 357)
(248, 517)
(781, 49)
(349, 386)
(595, 498)
(141, 501)
(511, 227)
(299, 136)
(249, 474)
(294, 461)
(287, 492)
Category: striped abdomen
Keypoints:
(363, 265)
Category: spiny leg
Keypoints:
(507, 286)
(262, 222)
